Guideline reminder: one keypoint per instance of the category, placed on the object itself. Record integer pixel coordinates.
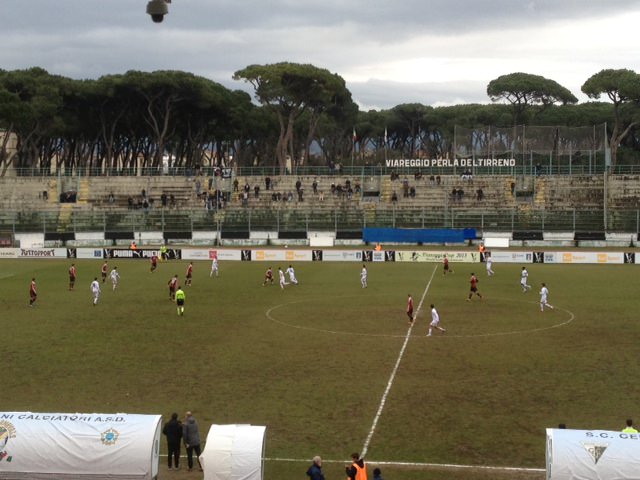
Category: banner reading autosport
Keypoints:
(42, 253)
(436, 256)
(172, 253)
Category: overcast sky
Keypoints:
(435, 52)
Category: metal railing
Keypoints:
(309, 219)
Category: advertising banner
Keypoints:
(436, 256)
(89, 253)
(342, 256)
(9, 252)
(584, 257)
(592, 455)
(224, 254)
(499, 256)
(42, 253)
(172, 253)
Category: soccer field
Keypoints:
(314, 362)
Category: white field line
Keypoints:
(403, 464)
(383, 400)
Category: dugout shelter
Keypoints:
(592, 455)
(234, 452)
(65, 446)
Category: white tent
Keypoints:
(66, 446)
(592, 455)
(233, 452)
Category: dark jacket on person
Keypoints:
(190, 432)
(173, 430)
(315, 472)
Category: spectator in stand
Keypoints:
(236, 184)
(454, 194)
(412, 192)
(417, 175)
(432, 180)
(321, 196)
(163, 199)
(394, 197)
(247, 188)
(290, 197)
(333, 188)
(314, 186)
(300, 194)
(347, 184)
(198, 187)
(274, 197)
(256, 191)
(460, 194)
(112, 198)
(405, 187)
(479, 194)
(267, 183)
(513, 188)
(438, 180)
(298, 185)
(130, 202)
(172, 201)
(358, 189)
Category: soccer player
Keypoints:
(115, 278)
(180, 297)
(283, 282)
(33, 293)
(544, 294)
(173, 286)
(214, 267)
(524, 275)
(473, 282)
(292, 275)
(154, 262)
(363, 276)
(189, 274)
(410, 308)
(103, 271)
(489, 263)
(72, 276)
(95, 290)
(445, 266)
(268, 277)
(435, 321)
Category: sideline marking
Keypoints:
(401, 464)
(417, 464)
(383, 400)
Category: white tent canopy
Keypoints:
(592, 455)
(65, 446)
(233, 452)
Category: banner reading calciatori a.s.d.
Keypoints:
(436, 256)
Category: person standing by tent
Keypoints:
(173, 431)
(357, 470)
(191, 438)
(315, 470)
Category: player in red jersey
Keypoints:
(445, 266)
(105, 267)
(33, 294)
(268, 277)
(189, 274)
(473, 281)
(154, 262)
(173, 286)
(72, 276)
(410, 308)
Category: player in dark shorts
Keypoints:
(103, 271)
(154, 262)
(72, 276)
(473, 290)
(173, 286)
(268, 277)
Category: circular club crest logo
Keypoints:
(109, 437)
(7, 431)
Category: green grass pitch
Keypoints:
(312, 362)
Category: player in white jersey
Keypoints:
(489, 263)
(544, 295)
(435, 321)
(95, 290)
(214, 267)
(363, 276)
(115, 278)
(282, 280)
(292, 275)
(524, 275)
